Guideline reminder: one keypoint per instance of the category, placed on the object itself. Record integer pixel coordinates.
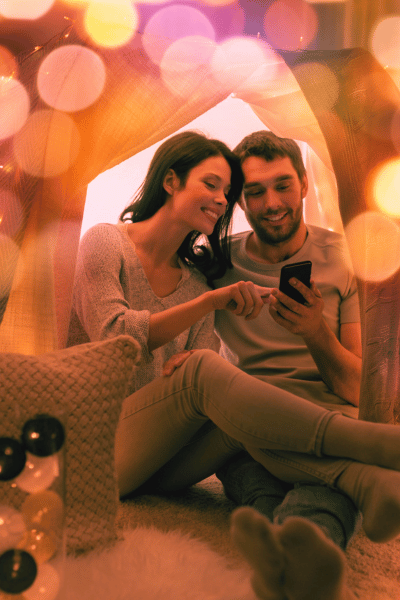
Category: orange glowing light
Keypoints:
(384, 42)
(290, 24)
(24, 9)
(14, 106)
(71, 78)
(369, 236)
(386, 187)
(181, 59)
(8, 64)
(48, 144)
(240, 58)
(111, 23)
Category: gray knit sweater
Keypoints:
(112, 296)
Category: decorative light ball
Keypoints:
(40, 544)
(44, 511)
(46, 585)
(38, 474)
(71, 78)
(12, 527)
(18, 571)
(43, 435)
(12, 458)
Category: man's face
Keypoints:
(273, 198)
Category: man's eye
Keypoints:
(282, 188)
(253, 193)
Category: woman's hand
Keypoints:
(175, 361)
(244, 299)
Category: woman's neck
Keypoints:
(157, 239)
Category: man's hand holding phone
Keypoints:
(302, 318)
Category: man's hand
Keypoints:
(175, 361)
(304, 320)
(244, 299)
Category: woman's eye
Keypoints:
(210, 185)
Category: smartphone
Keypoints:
(302, 272)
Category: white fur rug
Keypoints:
(153, 565)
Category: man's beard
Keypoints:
(274, 238)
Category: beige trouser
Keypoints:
(164, 432)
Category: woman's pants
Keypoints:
(164, 431)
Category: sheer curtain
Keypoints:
(136, 109)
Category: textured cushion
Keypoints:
(88, 384)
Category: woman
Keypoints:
(142, 277)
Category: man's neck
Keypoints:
(272, 254)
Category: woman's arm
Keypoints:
(243, 299)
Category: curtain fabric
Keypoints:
(135, 110)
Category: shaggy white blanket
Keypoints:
(149, 564)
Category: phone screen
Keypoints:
(302, 272)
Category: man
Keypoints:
(312, 350)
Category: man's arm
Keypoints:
(338, 360)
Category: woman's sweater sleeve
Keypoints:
(99, 297)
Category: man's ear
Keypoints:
(171, 182)
(241, 202)
(304, 186)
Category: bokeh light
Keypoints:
(386, 187)
(170, 24)
(328, 85)
(8, 64)
(14, 106)
(12, 527)
(38, 474)
(238, 59)
(48, 144)
(182, 58)
(71, 78)
(218, 2)
(24, 9)
(374, 244)
(46, 585)
(11, 214)
(384, 42)
(9, 254)
(111, 23)
(290, 24)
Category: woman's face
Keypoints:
(202, 200)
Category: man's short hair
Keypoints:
(268, 146)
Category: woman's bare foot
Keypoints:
(293, 561)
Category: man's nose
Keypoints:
(272, 200)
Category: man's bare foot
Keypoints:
(293, 561)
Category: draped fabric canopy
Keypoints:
(348, 136)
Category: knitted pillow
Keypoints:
(88, 383)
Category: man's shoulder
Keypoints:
(325, 237)
(236, 240)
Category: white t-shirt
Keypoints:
(268, 351)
